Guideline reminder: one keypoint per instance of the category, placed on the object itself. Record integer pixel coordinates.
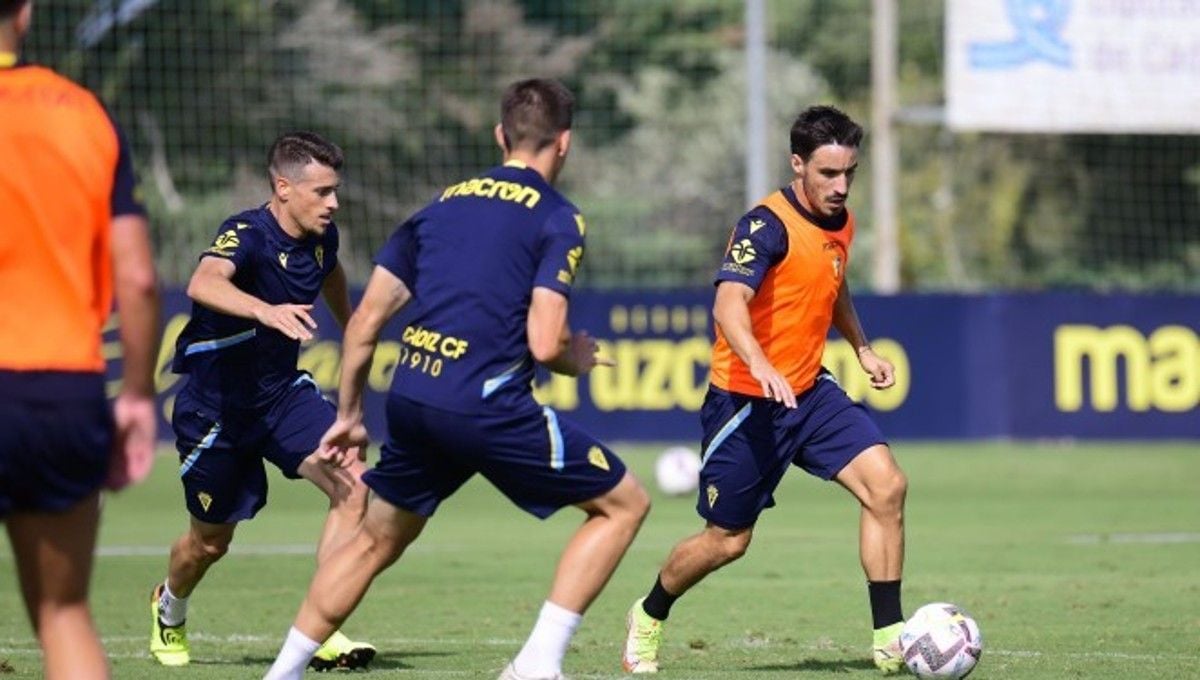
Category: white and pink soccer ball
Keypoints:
(677, 471)
(940, 640)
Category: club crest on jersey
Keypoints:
(837, 266)
(743, 251)
(205, 500)
(283, 260)
(596, 457)
(319, 253)
(712, 494)
(225, 244)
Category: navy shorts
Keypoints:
(221, 452)
(536, 458)
(750, 441)
(56, 439)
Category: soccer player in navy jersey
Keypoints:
(481, 278)
(245, 399)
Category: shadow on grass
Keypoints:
(389, 661)
(819, 665)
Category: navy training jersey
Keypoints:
(239, 362)
(471, 259)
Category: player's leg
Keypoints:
(743, 462)
(296, 424)
(410, 480)
(197, 549)
(53, 552)
(223, 483)
(848, 447)
(542, 463)
(880, 487)
(347, 500)
(341, 581)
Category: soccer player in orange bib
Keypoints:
(74, 238)
(771, 405)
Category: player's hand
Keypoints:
(133, 444)
(774, 386)
(344, 441)
(883, 374)
(293, 321)
(583, 353)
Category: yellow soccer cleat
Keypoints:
(340, 651)
(889, 657)
(168, 644)
(643, 637)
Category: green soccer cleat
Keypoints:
(340, 651)
(643, 637)
(168, 644)
(889, 657)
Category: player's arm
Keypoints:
(135, 285)
(385, 295)
(135, 288)
(731, 312)
(212, 286)
(336, 292)
(758, 242)
(845, 320)
(551, 341)
(547, 332)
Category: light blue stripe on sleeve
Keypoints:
(726, 430)
(219, 343)
(200, 448)
(556, 440)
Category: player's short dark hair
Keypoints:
(533, 112)
(294, 150)
(9, 8)
(817, 126)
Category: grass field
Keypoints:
(1077, 561)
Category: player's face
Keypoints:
(823, 181)
(311, 198)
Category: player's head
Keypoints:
(304, 177)
(535, 116)
(824, 156)
(14, 22)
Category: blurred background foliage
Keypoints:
(410, 90)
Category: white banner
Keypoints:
(1129, 66)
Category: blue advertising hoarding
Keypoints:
(968, 366)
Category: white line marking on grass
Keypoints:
(1161, 538)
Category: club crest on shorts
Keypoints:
(205, 500)
(596, 457)
(712, 494)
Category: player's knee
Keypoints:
(211, 547)
(732, 546)
(888, 494)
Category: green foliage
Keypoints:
(409, 89)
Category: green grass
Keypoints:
(1077, 561)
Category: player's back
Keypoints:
(60, 153)
(473, 257)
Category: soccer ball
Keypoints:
(677, 471)
(941, 641)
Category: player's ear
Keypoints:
(797, 164)
(283, 188)
(500, 140)
(562, 144)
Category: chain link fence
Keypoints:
(410, 90)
